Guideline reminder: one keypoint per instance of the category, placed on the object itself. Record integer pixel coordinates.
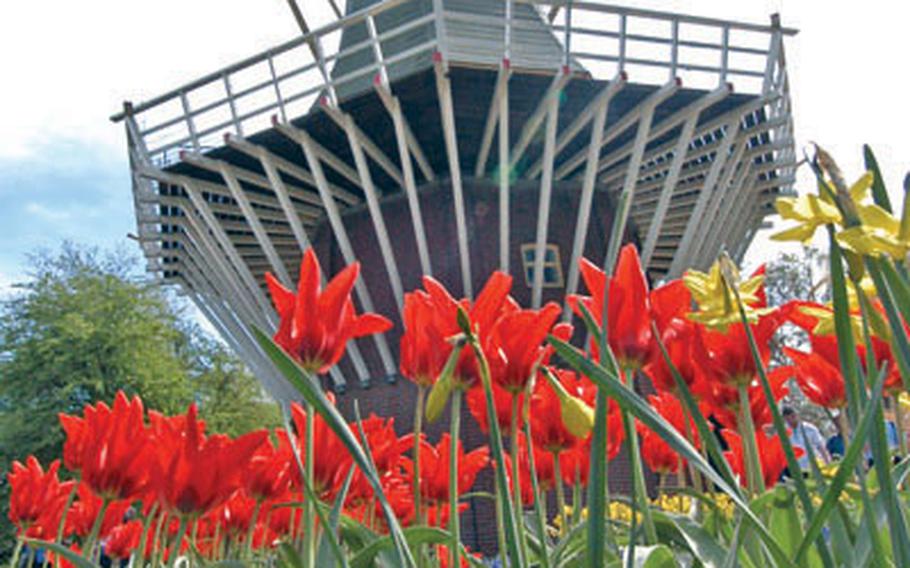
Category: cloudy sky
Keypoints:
(67, 66)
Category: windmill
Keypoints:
(453, 138)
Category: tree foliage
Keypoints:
(83, 326)
(797, 276)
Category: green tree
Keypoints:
(83, 326)
(80, 329)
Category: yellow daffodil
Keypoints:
(879, 233)
(717, 302)
(812, 211)
(824, 314)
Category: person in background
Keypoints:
(806, 436)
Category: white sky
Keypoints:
(67, 66)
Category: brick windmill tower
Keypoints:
(454, 138)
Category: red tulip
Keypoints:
(81, 516)
(656, 452)
(115, 451)
(434, 469)
(123, 539)
(317, 324)
(74, 446)
(424, 349)
(628, 310)
(826, 345)
(516, 344)
(235, 515)
(820, 381)
(332, 461)
(543, 466)
(682, 338)
(492, 302)
(37, 498)
(723, 401)
(731, 361)
(269, 472)
(770, 451)
(194, 472)
(386, 451)
(502, 399)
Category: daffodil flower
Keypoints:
(812, 211)
(716, 301)
(879, 233)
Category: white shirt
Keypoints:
(807, 434)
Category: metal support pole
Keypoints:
(444, 91)
(543, 210)
(382, 234)
(486, 141)
(681, 258)
(410, 185)
(258, 230)
(638, 149)
(587, 196)
(505, 174)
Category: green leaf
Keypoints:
(289, 556)
(414, 536)
(73, 557)
(879, 193)
(640, 408)
(660, 556)
(693, 536)
(783, 522)
(313, 394)
(846, 468)
(326, 551)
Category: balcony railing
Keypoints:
(591, 37)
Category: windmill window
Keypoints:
(552, 267)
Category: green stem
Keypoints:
(252, 529)
(540, 505)
(181, 533)
(598, 485)
(14, 561)
(516, 481)
(308, 506)
(560, 495)
(96, 528)
(157, 545)
(500, 533)
(418, 433)
(509, 523)
(216, 541)
(754, 475)
(693, 473)
(146, 527)
(899, 426)
(454, 521)
(638, 472)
